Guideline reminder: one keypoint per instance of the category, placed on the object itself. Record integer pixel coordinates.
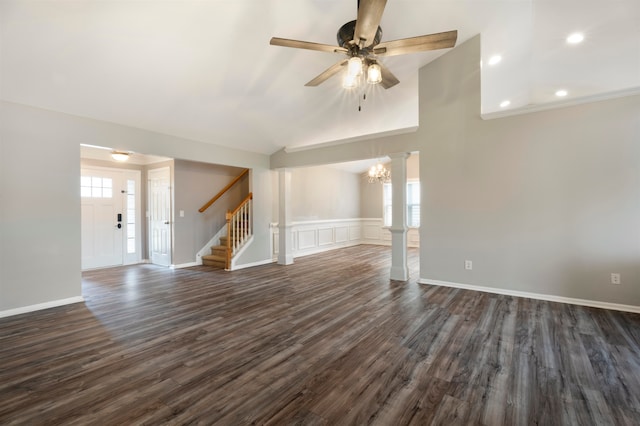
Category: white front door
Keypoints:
(110, 217)
(160, 216)
(101, 207)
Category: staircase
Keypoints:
(218, 256)
(239, 231)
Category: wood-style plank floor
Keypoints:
(326, 341)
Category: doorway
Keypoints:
(160, 216)
(110, 217)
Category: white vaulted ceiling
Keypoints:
(204, 70)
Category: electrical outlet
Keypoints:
(468, 265)
(615, 278)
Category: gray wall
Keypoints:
(546, 202)
(40, 197)
(370, 199)
(39, 209)
(321, 193)
(194, 184)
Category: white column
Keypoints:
(285, 252)
(399, 265)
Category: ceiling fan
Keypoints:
(360, 41)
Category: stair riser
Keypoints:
(215, 263)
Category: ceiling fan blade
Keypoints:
(417, 44)
(388, 79)
(276, 41)
(329, 72)
(369, 16)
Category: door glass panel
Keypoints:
(131, 216)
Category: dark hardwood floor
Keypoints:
(326, 341)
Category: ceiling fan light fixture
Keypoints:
(120, 156)
(374, 74)
(354, 67)
(350, 81)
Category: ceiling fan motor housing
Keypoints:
(345, 37)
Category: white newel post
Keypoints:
(285, 251)
(399, 265)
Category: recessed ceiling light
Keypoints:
(561, 93)
(505, 104)
(495, 59)
(575, 38)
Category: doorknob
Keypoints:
(166, 222)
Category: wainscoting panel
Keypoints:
(342, 234)
(355, 233)
(372, 232)
(317, 236)
(325, 236)
(307, 239)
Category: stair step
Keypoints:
(219, 250)
(213, 260)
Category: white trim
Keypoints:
(41, 306)
(184, 265)
(252, 264)
(562, 104)
(410, 129)
(537, 296)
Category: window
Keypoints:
(413, 204)
(96, 187)
(131, 216)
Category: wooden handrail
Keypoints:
(247, 198)
(222, 191)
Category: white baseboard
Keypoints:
(41, 306)
(184, 265)
(252, 264)
(537, 296)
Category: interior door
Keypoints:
(160, 216)
(102, 218)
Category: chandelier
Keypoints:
(379, 173)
